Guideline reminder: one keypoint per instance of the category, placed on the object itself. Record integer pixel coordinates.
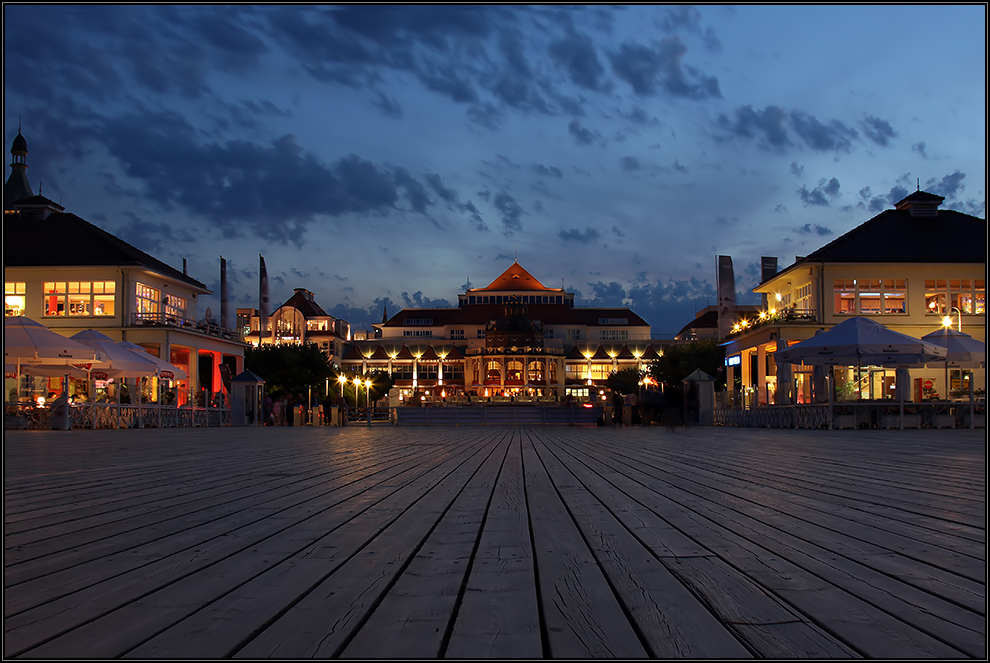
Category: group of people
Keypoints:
(278, 411)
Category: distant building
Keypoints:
(299, 320)
(71, 275)
(910, 267)
(514, 338)
(705, 323)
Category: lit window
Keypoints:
(13, 299)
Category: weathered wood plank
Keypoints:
(498, 616)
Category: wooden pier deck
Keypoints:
(388, 542)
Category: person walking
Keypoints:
(266, 410)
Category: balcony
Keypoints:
(185, 324)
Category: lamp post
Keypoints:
(342, 379)
(947, 320)
(367, 393)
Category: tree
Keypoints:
(625, 381)
(679, 361)
(289, 367)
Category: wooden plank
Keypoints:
(582, 616)
(673, 622)
(420, 606)
(106, 599)
(260, 591)
(498, 616)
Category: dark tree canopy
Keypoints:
(625, 381)
(679, 361)
(290, 367)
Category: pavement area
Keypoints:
(382, 542)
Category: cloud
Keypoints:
(576, 55)
(877, 130)
(920, 149)
(808, 229)
(766, 125)
(581, 135)
(275, 189)
(629, 164)
(820, 195)
(822, 137)
(389, 106)
(551, 171)
(652, 70)
(587, 236)
(510, 211)
(796, 170)
(948, 186)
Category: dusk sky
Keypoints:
(399, 154)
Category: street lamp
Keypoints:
(367, 393)
(342, 379)
(947, 320)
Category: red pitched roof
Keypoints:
(514, 278)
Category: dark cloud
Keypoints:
(275, 189)
(688, 19)
(821, 194)
(551, 171)
(948, 186)
(582, 135)
(796, 170)
(877, 130)
(618, 231)
(576, 55)
(887, 200)
(920, 149)
(451, 197)
(808, 229)
(767, 126)
(629, 164)
(651, 70)
(485, 115)
(511, 212)
(389, 106)
(587, 236)
(833, 136)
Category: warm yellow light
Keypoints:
(773, 311)
(946, 321)
(763, 314)
(780, 297)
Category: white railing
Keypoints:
(111, 415)
(858, 415)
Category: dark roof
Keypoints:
(548, 314)
(304, 305)
(20, 145)
(894, 236)
(65, 240)
(707, 320)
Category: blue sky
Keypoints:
(397, 154)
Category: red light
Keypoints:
(587, 405)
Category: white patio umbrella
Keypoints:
(861, 341)
(964, 351)
(31, 348)
(121, 362)
(166, 371)
(28, 342)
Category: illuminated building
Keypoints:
(514, 339)
(909, 267)
(71, 275)
(299, 320)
